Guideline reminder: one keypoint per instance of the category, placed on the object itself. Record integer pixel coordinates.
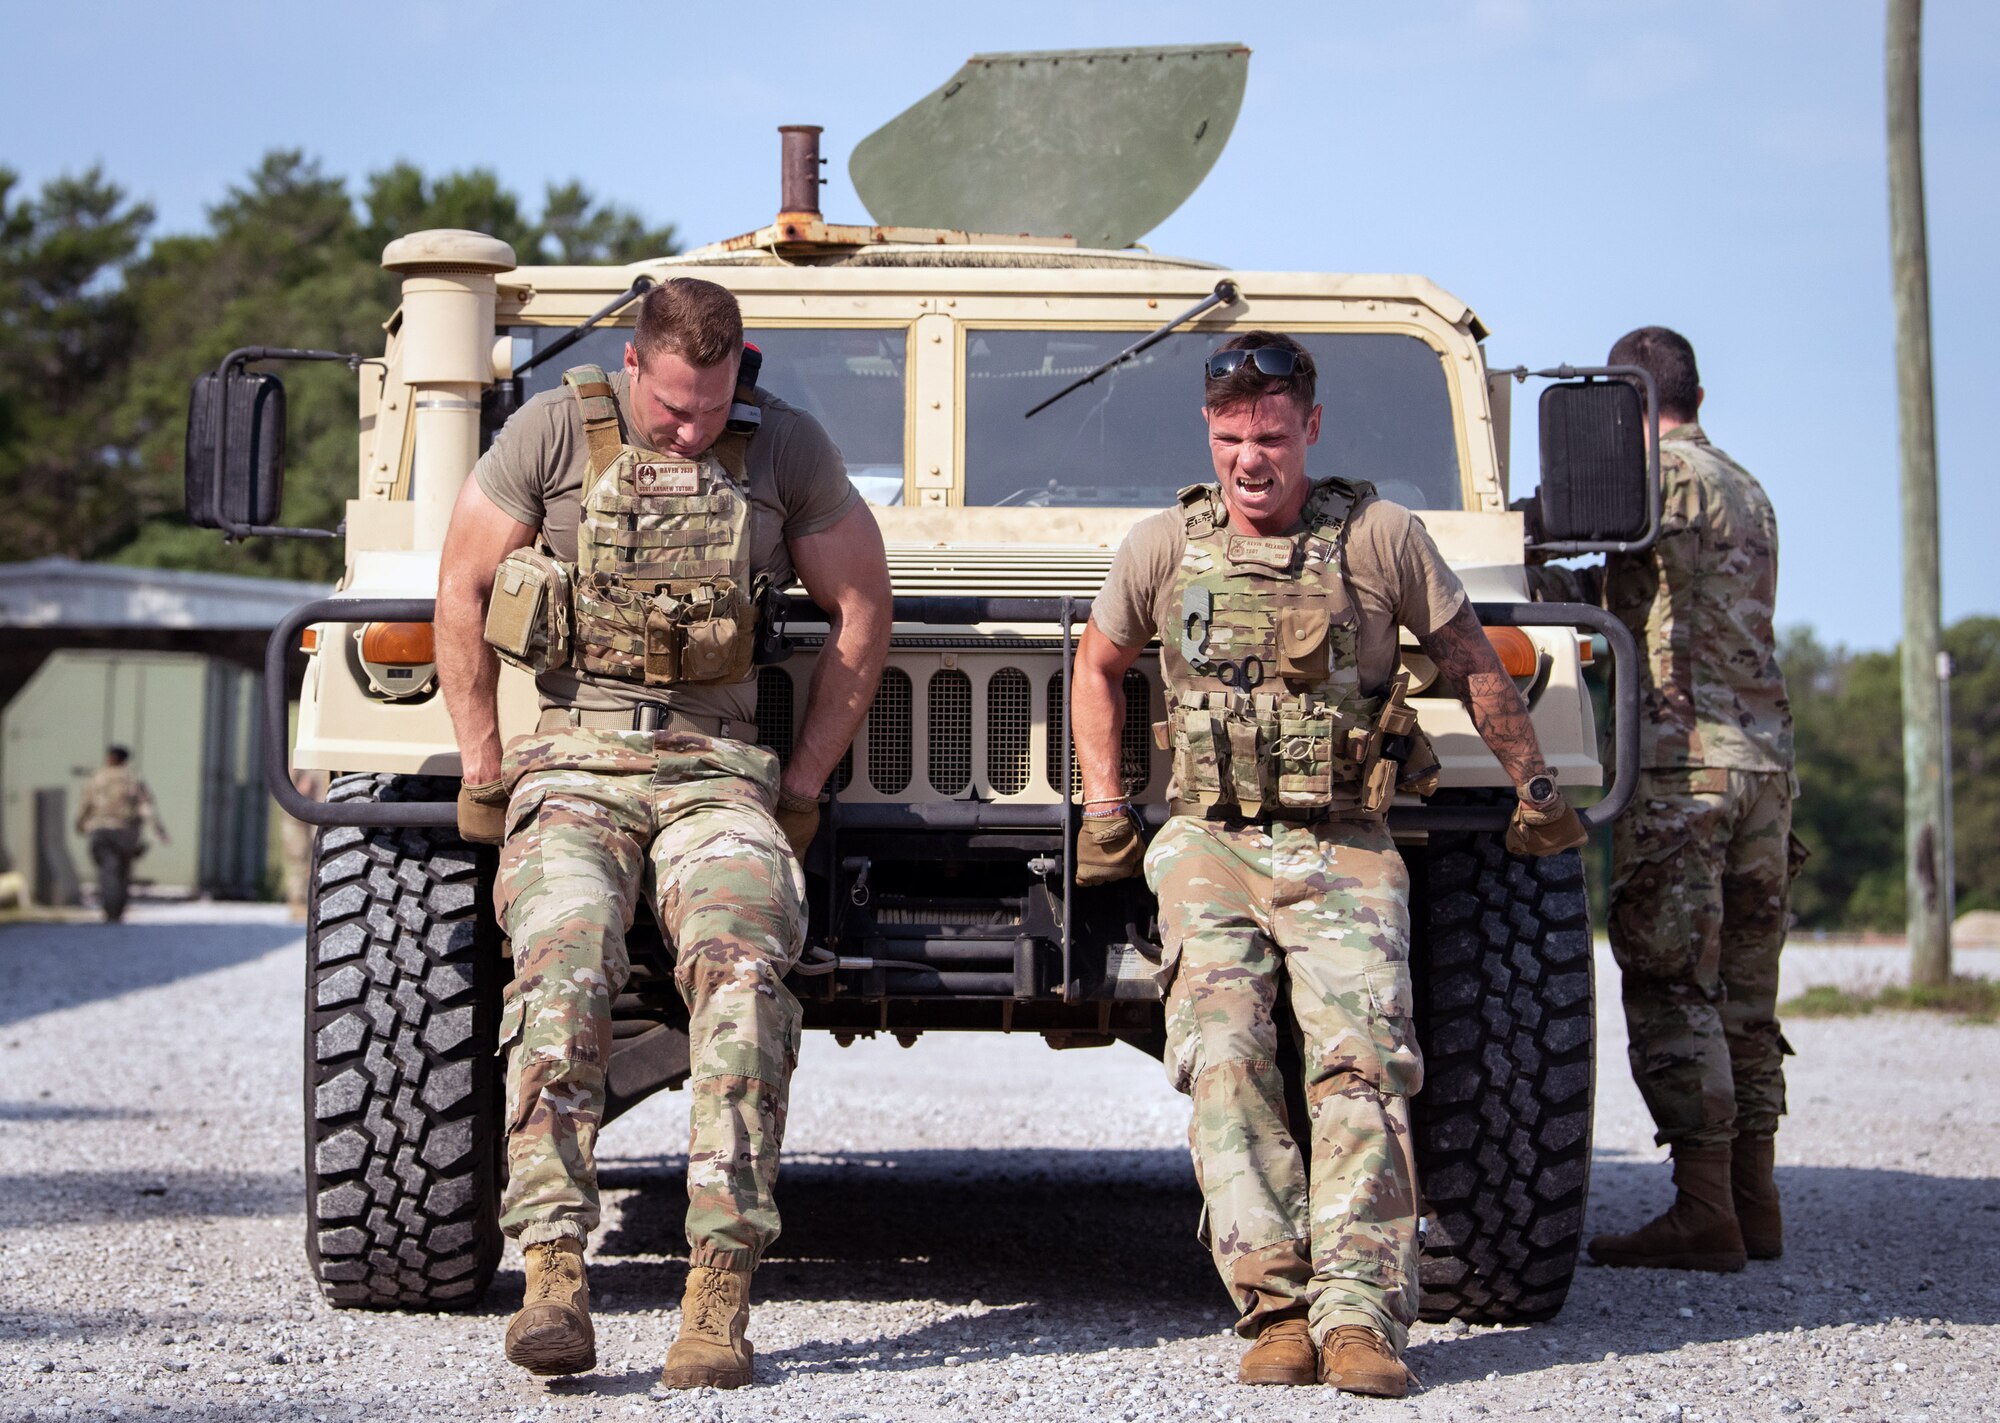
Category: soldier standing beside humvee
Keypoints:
(1702, 863)
(1277, 601)
(639, 611)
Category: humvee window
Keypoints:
(1135, 436)
(850, 378)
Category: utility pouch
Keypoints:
(528, 613)
(1201, 751)
(708, 648)
(1304, 637)
(663, 645)
(1249, 764)
(1305, 761)
(1379, 787)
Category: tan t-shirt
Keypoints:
(535, 472)
(1395, 571)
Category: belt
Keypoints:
(647, 716)
(1225, 815)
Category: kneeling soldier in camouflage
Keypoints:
(1276, 601)
(638, 609)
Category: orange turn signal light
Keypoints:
(1517, 653)
(398, 644)
(1586, 649)
(309, 640)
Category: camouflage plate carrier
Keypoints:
(1257, 612)
(661, 591)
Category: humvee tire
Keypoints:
(1505, 1016)
(403, 1093)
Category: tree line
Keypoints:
(103, 325)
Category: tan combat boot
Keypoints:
(1697, 1232)
(1355, 1359)
(1755, 1193)
(552, 1333)
(711, 1351)
(1282, 1354)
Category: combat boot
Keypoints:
(1282, 1354)
(552, 1334)
(1356, 1359)
(711, 1351)
(1697, 1232)
(1755, 1193)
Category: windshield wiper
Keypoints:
(640, 286)
(1223, 295)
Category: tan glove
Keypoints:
(482, 812)
(798, 817)
(1108, 849)
(1548, 831)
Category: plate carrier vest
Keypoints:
(1265, 713)
(661, 590)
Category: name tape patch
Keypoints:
(1266, 553)
(677, 477)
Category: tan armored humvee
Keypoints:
(941, 894)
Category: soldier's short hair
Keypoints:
(690, 318)
(1670, 357)
(1246, 382)
(118, 755)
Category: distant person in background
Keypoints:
(1703, 862)
(116, 805)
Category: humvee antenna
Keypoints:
(1223, 295)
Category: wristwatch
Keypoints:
(1538, 791)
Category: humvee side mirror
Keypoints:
(1600, 464)
(235, 450)
(235, 471)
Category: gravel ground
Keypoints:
(974, 1227)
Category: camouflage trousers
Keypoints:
(1700, 898)
(595, 817)
(1317, 918)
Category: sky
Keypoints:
(1570, 168)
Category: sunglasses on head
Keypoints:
(1273, 361)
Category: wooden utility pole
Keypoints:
(1926, 759)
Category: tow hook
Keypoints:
(857, 893)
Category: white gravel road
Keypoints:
(975, 1228)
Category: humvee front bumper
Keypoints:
(1000, 920)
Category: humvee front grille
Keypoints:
(950, 732)
(974, 734)
(1010, 720)
(889, 734)
(1135, 740)
(774, 712)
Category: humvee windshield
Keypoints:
(1135, 435)
(850, 378)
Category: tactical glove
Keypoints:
(798, 817)
(1547, 831)
(482, 811)
(1108, 848)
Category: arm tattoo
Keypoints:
(1468, 662)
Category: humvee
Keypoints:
(1010, 405)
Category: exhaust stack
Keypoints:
(800, 165)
